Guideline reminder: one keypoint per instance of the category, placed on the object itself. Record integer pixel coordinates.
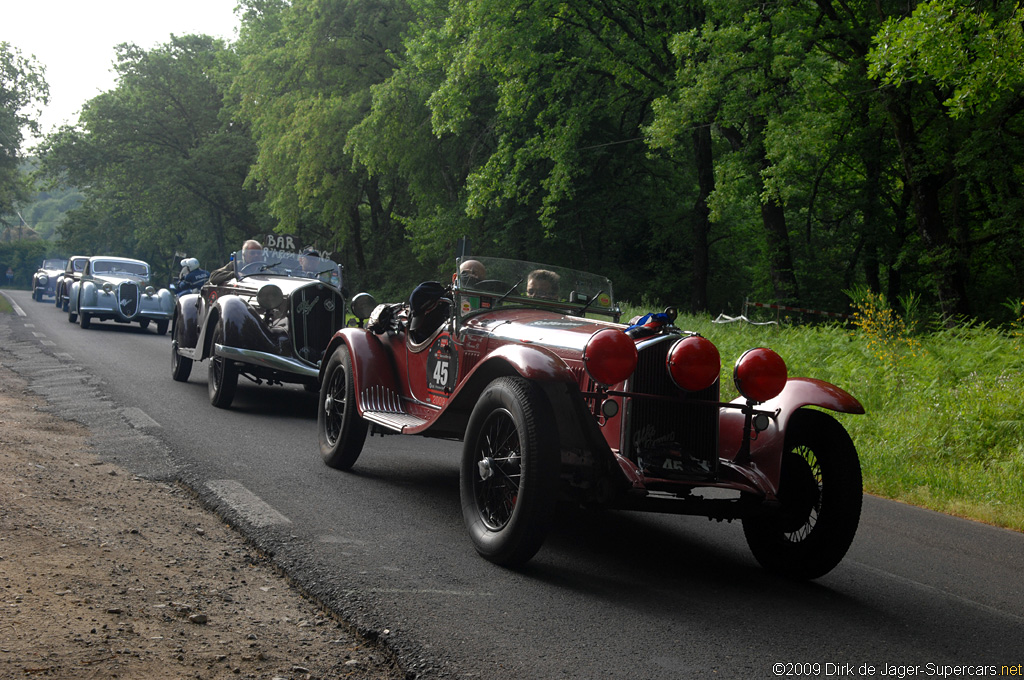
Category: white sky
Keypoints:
(74, 40)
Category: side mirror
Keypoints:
(363, 305)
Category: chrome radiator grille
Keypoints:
(317, 311)
(670, 438)
(128, 299)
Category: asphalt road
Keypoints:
(610, 595)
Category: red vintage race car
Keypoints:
(556, 401)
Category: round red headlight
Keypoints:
(694, 363)
(609, 356)
(760, 374)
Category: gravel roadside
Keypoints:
(105, 574)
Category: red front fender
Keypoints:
(766, 449)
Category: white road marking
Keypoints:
(246, 503)
(17, 310)
(138, 418)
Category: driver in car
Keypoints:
(252, 251)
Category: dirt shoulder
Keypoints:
(105, 574)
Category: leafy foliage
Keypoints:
(22, 86)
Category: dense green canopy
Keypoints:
(698, 153)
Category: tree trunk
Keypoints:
(780, 257)
(702, 222)
(926, 188)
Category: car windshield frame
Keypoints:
(119, 268)
(506, 285)
(288, 264)
(48, 264)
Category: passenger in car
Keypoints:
(542, 283)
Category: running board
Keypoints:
(384, 407)
(393, 421)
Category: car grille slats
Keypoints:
(128, 299)
(669, 438)
(317, 311)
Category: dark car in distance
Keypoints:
(269, 322)
(44, 281)
(72, 272)
(555, 402)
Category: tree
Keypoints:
(164, 165)
(953, 73)
(305, 81)
(22, 86)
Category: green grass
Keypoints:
(944, 427)
(5, 305)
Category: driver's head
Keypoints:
(252, 251)
(472, 271)
(542, 283)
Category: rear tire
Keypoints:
(820, 492)
(85, 320)
(509, 476)
(222, 378)
(161, 327)
(340, 429)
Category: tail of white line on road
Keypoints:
(251, 507)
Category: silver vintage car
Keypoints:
(118, 289)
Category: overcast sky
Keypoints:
(74, 39)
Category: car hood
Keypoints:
(50, 272)
(250, 285)
(116, 279)
(532, 326)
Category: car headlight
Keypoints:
(150, 291)
(108, 287)
(43, 279)
(760, 374)
(609, 356)
(693, 363)
(269, 297)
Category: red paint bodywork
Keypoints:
(547, 347)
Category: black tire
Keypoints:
(509, 476)
(222, 378)
(65, 304)
(72, 317)
(144, 324)
(161, 327)
(84, 320)
(340, 429)
(181, 367)
(820, 492)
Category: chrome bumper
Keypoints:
(266, 360)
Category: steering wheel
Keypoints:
(254, 266)
(491, 286)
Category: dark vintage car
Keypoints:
(118, 289)
(45, 279)
(72, 272)
(553, 405)
(269, 322)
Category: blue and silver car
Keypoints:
(118, 289)
(45, 277)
